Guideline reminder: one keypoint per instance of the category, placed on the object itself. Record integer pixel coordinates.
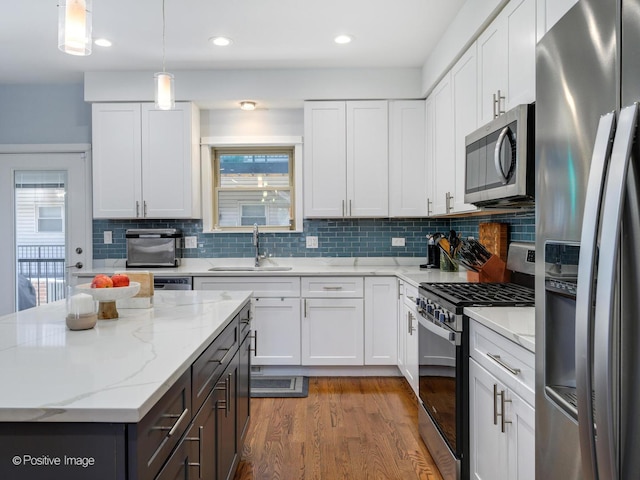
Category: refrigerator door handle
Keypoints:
(585, 292)
(606, 302)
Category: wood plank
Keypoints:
(348, 428)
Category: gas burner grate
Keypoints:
(482, 294)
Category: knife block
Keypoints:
(494, 270)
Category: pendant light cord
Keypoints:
(163, 32)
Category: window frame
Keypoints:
(39, 217)
(209, 145)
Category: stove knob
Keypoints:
(444, 317)
(436, 314)
(419, 302)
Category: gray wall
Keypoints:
(44, 114)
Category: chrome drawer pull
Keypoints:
(495, 404)
(496, 358)
(502, 402)
(178, 422)
(331, 288)
(224, 359)
(172, 430)
(200, 442)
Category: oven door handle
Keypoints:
(442, 332)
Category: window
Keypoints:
(253, 185)
(50, 218)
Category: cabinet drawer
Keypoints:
(261, 287)
(508, 361)
(153, 438)
(336, 287)
(206, 370)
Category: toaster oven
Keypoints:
(160, 247)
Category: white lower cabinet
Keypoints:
(276, 325)
(408, 335)
(276, 315)
(380, 310)
(501, 422)
(332, 321)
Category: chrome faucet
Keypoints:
(256, 243)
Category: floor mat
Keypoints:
(282, 386)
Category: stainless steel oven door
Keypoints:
(440, 386)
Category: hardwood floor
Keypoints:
(348, 428)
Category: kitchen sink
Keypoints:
(250, 269)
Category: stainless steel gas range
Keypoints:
(444, 355)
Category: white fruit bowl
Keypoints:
(110, 294)
(107, 297)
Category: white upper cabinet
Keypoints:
(506, 60)
(430, 125)
(465, 120)
(346, 159)
(407, 163)
(146, 162)
(444, 170)
(549, 12)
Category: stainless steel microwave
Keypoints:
(161, 247)
(500, 161)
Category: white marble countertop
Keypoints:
(518, 324)
(114, 372)
(406, 268)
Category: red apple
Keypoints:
(101, 281)
(120, 280)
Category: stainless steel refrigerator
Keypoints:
(587, 243)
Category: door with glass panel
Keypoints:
(45, 205)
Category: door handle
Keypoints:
(77, 265)
(606, 301)
(585, 291)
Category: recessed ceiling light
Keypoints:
(343, 39)
(220, 41)
(246, 105)
(102, 42)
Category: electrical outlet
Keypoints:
(312, 242)
(397, 242)
(108, 237)
(190, 242)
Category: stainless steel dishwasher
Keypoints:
(172, 283)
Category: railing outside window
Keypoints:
(44, 266)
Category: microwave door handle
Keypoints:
(585, 292)
(607, 308)
(504, 134)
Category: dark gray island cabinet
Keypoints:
(195, 430)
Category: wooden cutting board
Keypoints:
(494, 237)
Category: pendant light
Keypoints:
(165, 99)
(74, 26)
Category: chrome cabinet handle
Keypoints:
(409, 322)
(172, 429)
(448, 197)
(350, 212)
(343, 214)
(497, 110)
(255, 343)
(332, 288)
(137, 209)
(224, 359)
(200, 455)
(585, 291)
(499, 361)
(502, 413)
(429, 203)
(413, 300)
(144, 209)
(495, 404)
(305, 308)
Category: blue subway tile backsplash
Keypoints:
(336, 238)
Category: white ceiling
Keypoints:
(269, 34)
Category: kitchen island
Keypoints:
(114, 401)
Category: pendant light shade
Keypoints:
(74, 26)
(165, 99)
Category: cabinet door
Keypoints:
(367, 159)
(244, 392)
(407, 167)
(492, 68)
(411, 353)
(332, 331)
(522, 442)
(444, 161)
(325, 173)
(117, 171)
(380, 310)
(276, 324)
(520, 21)
(488, 445)
(179, 464)
(225, 396)
(464, 83)
(402, 326)
(169, 171)
(430, 129)
(202, 438)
